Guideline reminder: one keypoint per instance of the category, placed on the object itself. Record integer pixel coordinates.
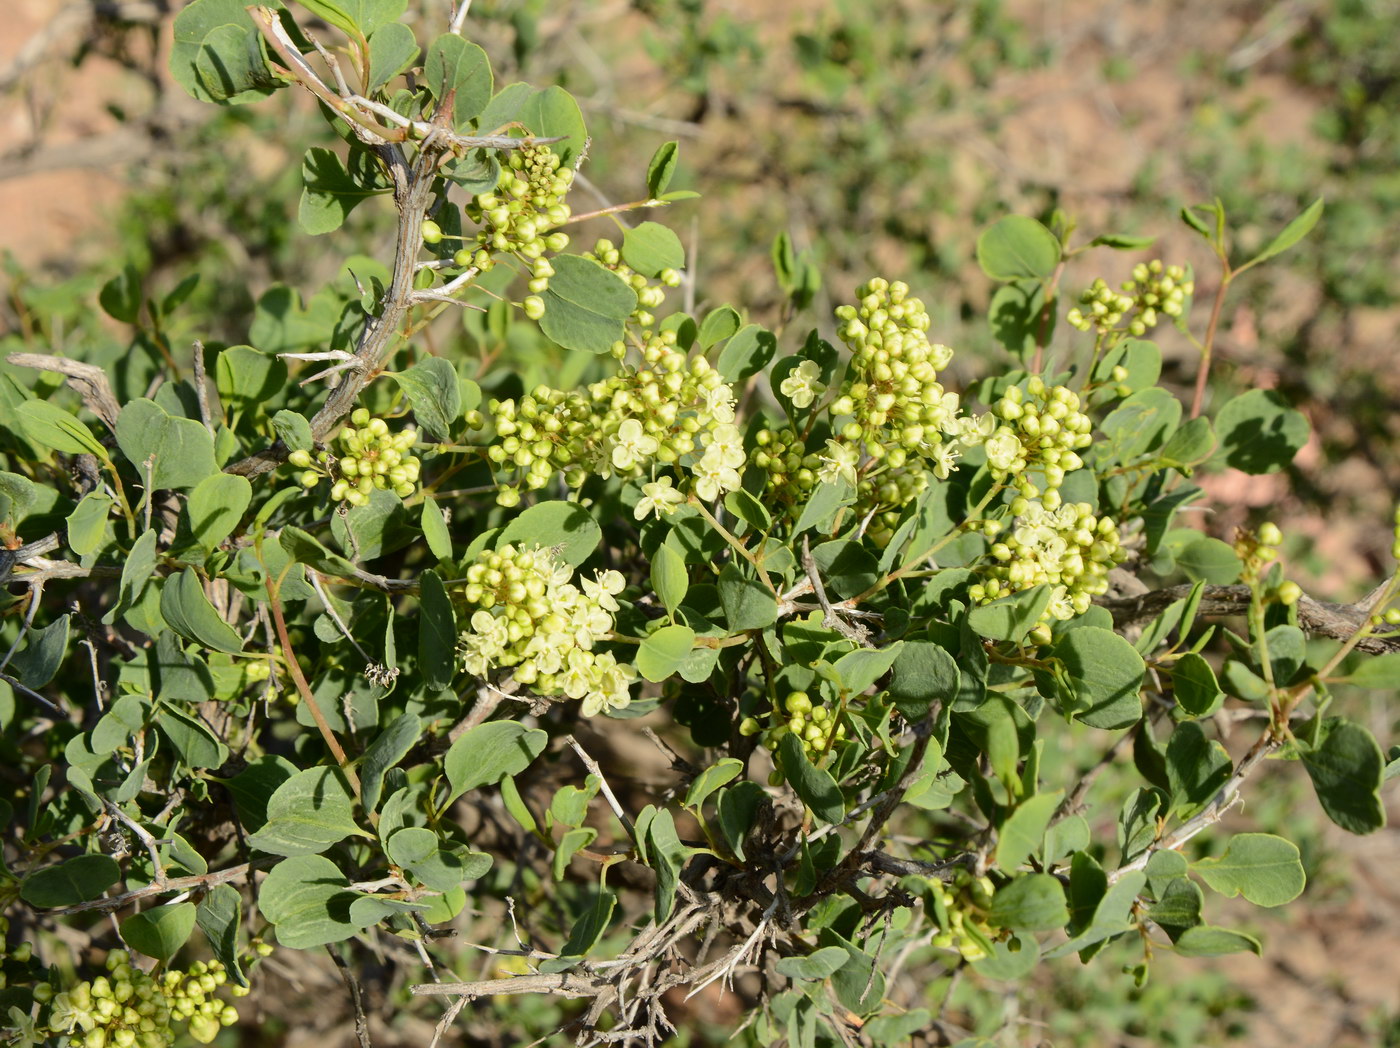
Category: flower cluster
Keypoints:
(649, 296)
(529, 617)
(816, 726)
(130, 1008)
(518, 217)
(1041, 431)
(371, 457)
(791, 470)
(1067, 548)
(891, 391)
(882, 498)
(670, 410)
(1154, 289)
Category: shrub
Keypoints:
(285, 671)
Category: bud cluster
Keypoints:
(130, 1009)
(1154, 289)
(526, 615)
(1042, 430)
(649, 296)
(816, 726)
(671, 410)
(961, 909)
(891, 391)
(1067, 548)
(371, 457)
(518, 217)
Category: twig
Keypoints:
(1338, 621)
(1223, 801)
(201, 386)
(562, 984)
(88, 381)
(149, 842)
(17, 686)
(172, 884)
(592, 766)
(356, 997)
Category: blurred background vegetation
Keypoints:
(879, 138)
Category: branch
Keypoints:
(88, 381)
(1322, 618)
(174, 884)
(564, 984)
(1223, 801)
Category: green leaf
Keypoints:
(661, 653)
(392, 746)
(197, 746)
(860, 669)
(1016, 315)
(435, 533)
(1196, 767)
(1193, 681)
(569, 845)
(254, 786)
(76, 880)
(181, 448)
(1347, 768)
(1024, 830)
(216, 505)
(392, 49)
(748, 604)
(52, 427)
(565, 527)
(293, 430)
(1011, 618)
(160, 931)
(1290, 234)
(711, 779)
(1190, 445)
(815, 786)
(120, 297)
(1122, 241)
(746, 353)
(817, 965)
(1266, 870)
(331, 190)
(848, 568)
(455, 64)
(737, 807)
(36, 663)
(590, 926)
(585, 305)
(669, 577)
(1205, 940)
(661, 168)
(187, 610)
(488, 753)
(87, 524)
(1378, 671)
(305, 549)
(650, 248)
(307, 814)
(1259, 432)
(1209, 560)
(435, 392)
(247, 379)
(308, 899)
(1102, 675)
(924, 673)
(1016, 247)
(218, 915)
(1145, 420)
(719, 324)
(281, 323)
(668, 856)
(1033, 903)
(822, 505)
(551, 112)
(216, 53)
(420, 852)
(748, 509)
(437, 633)
(17, 495)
